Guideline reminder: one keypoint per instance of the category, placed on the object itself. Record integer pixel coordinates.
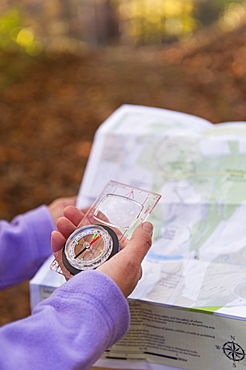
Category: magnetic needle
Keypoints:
(88, 247)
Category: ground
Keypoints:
(52, 105)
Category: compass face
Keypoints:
(88, 247)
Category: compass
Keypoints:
(110, 220)
(88, 247)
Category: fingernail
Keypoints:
(148, 227)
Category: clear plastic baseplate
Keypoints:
(119, 206)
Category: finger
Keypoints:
(65, 226)
(73, 214)
(72, 200)
(69, 201)
(57, 241)
(125, 267)
(140, 242)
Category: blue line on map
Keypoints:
(164, 258)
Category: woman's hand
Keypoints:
(124, 267)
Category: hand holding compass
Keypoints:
(106, 226)
(125, 267)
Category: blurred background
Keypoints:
(65, 66)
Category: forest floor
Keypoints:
(52, 105)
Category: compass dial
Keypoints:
(88, 247)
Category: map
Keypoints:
(198, 257)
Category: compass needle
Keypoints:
(94, 240)
(77, 255)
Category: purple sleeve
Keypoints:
(70, 329)
(24, 245)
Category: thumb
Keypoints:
(140, 242)
(125, 267)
